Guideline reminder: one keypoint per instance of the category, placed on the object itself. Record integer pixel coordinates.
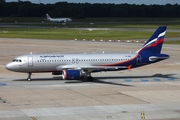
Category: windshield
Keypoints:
(16, 60)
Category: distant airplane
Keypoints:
(58, 20)
(78, 66)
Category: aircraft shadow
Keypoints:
(72, 81)
(131, 77)
(40, 79)
(98, 79)
(111, 83)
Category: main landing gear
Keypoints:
(89, 78)
(87, 75)
(29, 77)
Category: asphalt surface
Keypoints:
(153, 89)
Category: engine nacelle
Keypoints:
(71, 74)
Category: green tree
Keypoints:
(81, 10)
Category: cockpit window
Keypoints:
(16, 60)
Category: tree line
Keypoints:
(82, 10)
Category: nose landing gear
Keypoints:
(29, 77)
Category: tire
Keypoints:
(90, 79)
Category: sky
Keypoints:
(147, 2)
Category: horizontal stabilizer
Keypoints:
(156, 58)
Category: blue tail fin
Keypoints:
(154, 44)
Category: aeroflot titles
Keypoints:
(51, 56)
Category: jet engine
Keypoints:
(71, 74)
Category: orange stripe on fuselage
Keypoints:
(115, 64)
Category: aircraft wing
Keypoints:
(64, 67)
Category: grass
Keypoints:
(100, 25)
(58, 31)
(172, 42)
(69, 34)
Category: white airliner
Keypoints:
(58, 20)
(78, 66)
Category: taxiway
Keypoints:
(123, 95)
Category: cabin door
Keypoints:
(30, 61)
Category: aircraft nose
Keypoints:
(10, 67)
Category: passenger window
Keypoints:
(20, 61)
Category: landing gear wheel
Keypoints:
(90, 79)
(29, 77)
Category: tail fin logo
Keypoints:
(154, 44)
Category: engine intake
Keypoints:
(71, 74)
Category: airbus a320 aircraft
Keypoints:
(78, 66)
(58, 20)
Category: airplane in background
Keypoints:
(58, 20)
(80, 66)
